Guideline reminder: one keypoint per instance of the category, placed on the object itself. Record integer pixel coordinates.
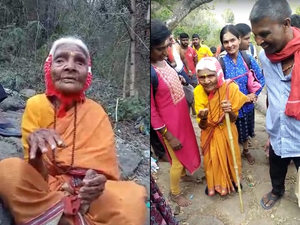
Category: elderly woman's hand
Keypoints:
(93, 187)
(226, 106)
(39, 139)
(202, 114)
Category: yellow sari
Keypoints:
(218, 162)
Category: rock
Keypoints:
(27, 93)
(8, 149)
(12, 103)
(129, 158)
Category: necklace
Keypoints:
(73, 142)
(287, 68)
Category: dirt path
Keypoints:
(218, 210)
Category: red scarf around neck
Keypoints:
(292, 107)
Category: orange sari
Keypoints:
(215, 145)
(32, 200)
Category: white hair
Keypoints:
(210, 63)
(69, 40)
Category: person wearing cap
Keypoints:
(211, 104)
(201, 49)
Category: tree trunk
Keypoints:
(132, 50)
(182, 9)
(125, 72)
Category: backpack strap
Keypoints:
(221, 61)
(154, 80)
(246, 59)
(252, 49)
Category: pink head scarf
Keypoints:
(50, 88)
(212, 64)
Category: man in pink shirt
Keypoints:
(191, 57)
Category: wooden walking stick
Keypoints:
(234, 159)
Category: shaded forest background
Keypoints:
(116, 32)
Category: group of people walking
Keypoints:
(230, 85)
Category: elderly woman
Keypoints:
(70, 173)
(213, 98)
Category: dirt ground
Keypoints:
(225, 210)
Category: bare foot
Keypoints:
(248, 156)
(180, 200)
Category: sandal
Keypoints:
(269, 198)
(248, 156)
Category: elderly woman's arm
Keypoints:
(35, 138)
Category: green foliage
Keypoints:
(228, 16)
(162, 14)
(202, 22)
(129, 109)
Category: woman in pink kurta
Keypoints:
(170, 114)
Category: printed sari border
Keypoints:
(51, 214)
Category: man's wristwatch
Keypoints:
(190, 71)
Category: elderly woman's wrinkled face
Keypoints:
(69, 69)
(208, 79)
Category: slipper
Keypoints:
(10, 132)
(270, 197)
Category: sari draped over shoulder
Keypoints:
(122, 202)
(215, 145)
